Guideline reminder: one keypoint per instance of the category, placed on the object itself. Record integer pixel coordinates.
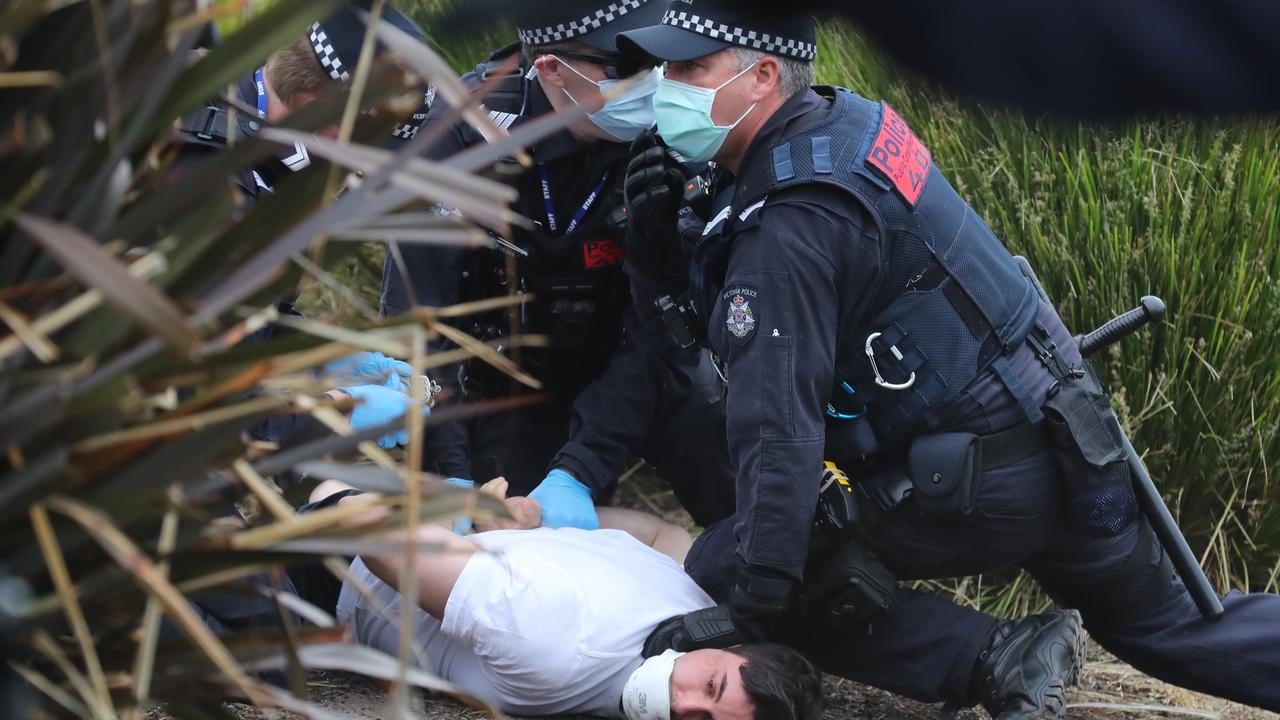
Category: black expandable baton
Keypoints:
(1157, 513)
(1149, 498)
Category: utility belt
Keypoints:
(943, 470)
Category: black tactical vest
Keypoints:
(951, 303)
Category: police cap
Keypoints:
(692, 29)
(336, 40)
(595, 23)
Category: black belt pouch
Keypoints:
(1090, 451)
(944, 471)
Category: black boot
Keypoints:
(1028, 664)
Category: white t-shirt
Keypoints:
(550, 621)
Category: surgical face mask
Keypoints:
(647, 693)
(684, 118)
(626, 114)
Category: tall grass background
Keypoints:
(1186, 209)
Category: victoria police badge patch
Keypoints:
(740, 318)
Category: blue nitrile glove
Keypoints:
(377, 405)
(463, 524)
(565, 502)
(373, 366)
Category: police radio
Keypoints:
(681, 320)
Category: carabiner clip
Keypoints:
(871, 355)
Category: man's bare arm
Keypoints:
(667, 538)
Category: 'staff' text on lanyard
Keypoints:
(553, 225)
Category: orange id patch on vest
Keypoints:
(602, 253)
(900, 156)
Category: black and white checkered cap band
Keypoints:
(582, 26)
(327, 55)
(764, 42)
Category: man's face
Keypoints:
(567, 80)
(712, 71)
(707, 685)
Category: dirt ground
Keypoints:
(1108, 690)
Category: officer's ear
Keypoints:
(550, 70)
(767, 78)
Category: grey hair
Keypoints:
(794, 77)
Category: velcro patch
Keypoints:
(602, 253)
(900, 156)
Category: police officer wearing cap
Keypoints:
(863, 311)
(292, 77)
(610, 401)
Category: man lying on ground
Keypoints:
(544, 621)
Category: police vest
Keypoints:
(951, 302)
(577, 277)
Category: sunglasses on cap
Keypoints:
(616, 67)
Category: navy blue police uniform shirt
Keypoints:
(790, 276)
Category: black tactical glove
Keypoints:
(654, 189)
(721, 626)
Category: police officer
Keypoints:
(609, 400)
(291, 78)
(862, 310)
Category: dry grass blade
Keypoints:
(36, 342)
(305, 610)
(31, 78)
(49, 648)
(442, 77)
(429, 315)
(291, 702)
(482, 156)
(375, 664)
(57, 567)
(473, 196)
(336, 422)
(483, 352)
(165, 428)
(51, 689)
(138, 300)
(453, 237)
(353, 339)
(132, 559)
(144, 663)
(273, 501)
(145, 267)
(361, 477)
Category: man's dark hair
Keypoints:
(781, 682)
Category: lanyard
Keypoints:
(260, 85)
(552, 224)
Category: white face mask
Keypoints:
(627, 114)
(647, 693)
(683, 114)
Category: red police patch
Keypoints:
(602, 253)
(900, 156)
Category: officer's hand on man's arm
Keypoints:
(565, 502)
(654, 189)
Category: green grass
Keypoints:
(1188, 210)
